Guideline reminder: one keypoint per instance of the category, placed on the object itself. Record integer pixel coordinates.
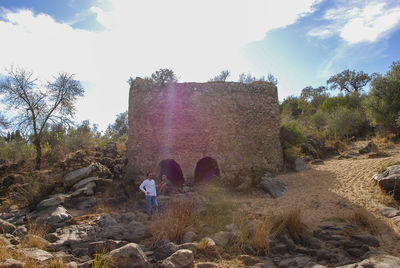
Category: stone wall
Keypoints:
(234, 123)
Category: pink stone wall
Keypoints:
(236, 124)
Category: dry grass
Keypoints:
(290, 223)
(174, 222)
(102, 208)
(360, 218)
(259, 239)
(386, 199)
(34, 237)
(57, 263)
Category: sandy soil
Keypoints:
(333, 188)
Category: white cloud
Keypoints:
(196, 39)
(360, 21)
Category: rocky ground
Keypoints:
(332, 214)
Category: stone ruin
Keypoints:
(199, 131)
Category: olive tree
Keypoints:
(349, 81)
(38, 105)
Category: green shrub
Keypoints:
(291, 135)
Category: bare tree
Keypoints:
(163, 77)
(221, 77)
(272, 79)
(39, 105)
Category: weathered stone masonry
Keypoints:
(236, 124)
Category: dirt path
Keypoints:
(337, 187)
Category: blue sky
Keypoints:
(104, 42)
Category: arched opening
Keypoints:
(206, 170)
(173, 171)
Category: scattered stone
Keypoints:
(183, 258)
(104, 247)
(189, 246)
(248, 260)
(88, 189)
(52, 201)
(164, 251)
(300, 165)
(371, 147)
(189, 237)
(294, 262)
(36, 254)
(275, 187)
(83, 182)
(128, 256)
(206, 265)
(367, 239)
(389, 212)
(11, 263)
(77, 175)
(222, 238)
(6, 227)
(378, 261)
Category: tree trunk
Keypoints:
(38, 154)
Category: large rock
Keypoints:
(36, 254)
(52, 201)
(11, 263)
(77, 175)
(164, 251)
(371, 147)
(134, 231)
(183, 258)
(221, 238)
(54, 217)
(379, 261)
(128, 256)
(275, 187)
(87, 189)
(300, 165)
(6, 227)
(389, 180)
(83, 182)
(102, 247)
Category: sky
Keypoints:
(104, 43)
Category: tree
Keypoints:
(315, 96)
(221, 77)
(120, 127)
(163, 77)
(248, 78)
(272, 79)
(38, 105)
(349, 81)
(383, 102)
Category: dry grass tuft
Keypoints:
(207, 250)
(291, 223)
(34, 237)
(360, 218)
(259, 239)
(57, 263)
(174, 222)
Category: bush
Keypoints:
(291, 135)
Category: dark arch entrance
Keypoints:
(206, 170)
(173, 171)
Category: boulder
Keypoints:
(6, 227)
(183, 258)
(54, 217)
(52, 201)
(222, 238)
(371, 147)
(275, 187)
(128, 256)
(83, 182)
(88, 189)
(11, 263)
(36, 254)
(104, 246)
(77, 175)
(389, 212)
(300, 165)
(189, 237)
(389, 180)
(164, 251)
(378, 261)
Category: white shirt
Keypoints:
(148, 186)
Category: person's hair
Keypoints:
(148, 173)
(163, 175)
